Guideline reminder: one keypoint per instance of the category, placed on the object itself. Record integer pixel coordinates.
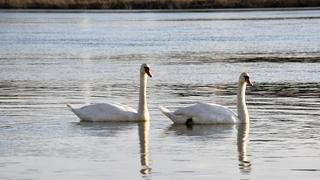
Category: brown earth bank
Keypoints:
(153, 4)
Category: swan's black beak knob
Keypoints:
(147, 71)
(247, 79)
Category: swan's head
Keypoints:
(145, 69)
(245, 78)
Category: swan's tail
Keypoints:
(179, 119)
(76, 111)
(167, 113)
(71, 108)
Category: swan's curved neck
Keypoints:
(143, 113)
(243, 114)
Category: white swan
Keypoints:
(204, 113)
(117, 112)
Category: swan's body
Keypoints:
(117, 112)
(205, 113)
(202, 113)
(105, 112)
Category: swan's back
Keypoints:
(205, 113)
(105, 112)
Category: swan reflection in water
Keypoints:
(242, 141)
(219, 132)
(104, 129)
(144, 147)
(108, 129)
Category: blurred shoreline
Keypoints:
(154, 4)
(155, 10)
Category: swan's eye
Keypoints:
(246, 77)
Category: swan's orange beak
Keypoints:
(249, 82)
(147, 71)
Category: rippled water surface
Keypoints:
(50, 59)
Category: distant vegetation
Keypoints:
(153, 4)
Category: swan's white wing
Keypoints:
(105, 112)
(203, 113)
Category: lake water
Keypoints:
(49, 59)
